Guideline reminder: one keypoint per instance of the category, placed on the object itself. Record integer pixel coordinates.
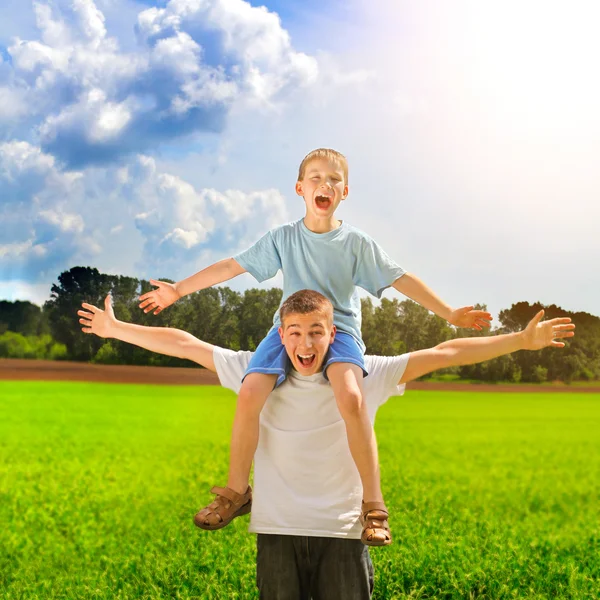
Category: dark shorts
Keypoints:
(271, 358)
(290, 567)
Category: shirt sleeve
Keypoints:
(230, 367)
(262, 259)
(385, 372)
(375, 270)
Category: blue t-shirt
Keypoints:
(331, 263)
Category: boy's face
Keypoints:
(323, 187)
(306, 339)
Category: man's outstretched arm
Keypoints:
(468, 351)
(163, 340)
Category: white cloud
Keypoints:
(186, 239)
(23, 290)
(15, 250)
(91, 21)
(20, 157)
(29, 56)
(92, 102)
(251, 38)
(14, 105)
(175, 217)
(54, 32)
(63, 221)
(131, 219)
(180, 54)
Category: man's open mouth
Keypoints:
(306, 360)
(323, 201)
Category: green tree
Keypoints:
(579, 360)
(79, 284)
(23, 317)
(381, 327)
(255, 315)
(16, 345)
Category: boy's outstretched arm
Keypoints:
(166, 293)
(468, 351)
(466, 316)
(162, 340)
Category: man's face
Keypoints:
(306, 339)
(323, 187)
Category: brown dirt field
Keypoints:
(47, 370)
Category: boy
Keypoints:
(318, 252)
(307, 490)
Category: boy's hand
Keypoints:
(164, 295)
(469, 318)
(539, 335)
(95, 320)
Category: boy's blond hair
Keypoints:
(304, 302)
(328, 154)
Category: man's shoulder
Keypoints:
(386, 367)
(385, 373)
(230, 366)
(232, 355)
(377, 360)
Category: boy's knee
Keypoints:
(255, 389)
(350, 402)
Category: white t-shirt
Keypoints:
(305, 481)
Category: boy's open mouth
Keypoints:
(306, 360)
(323, 201)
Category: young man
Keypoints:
(322, 253)
(307, 492)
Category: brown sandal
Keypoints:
(226, 506)
(376, 531)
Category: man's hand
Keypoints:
(539, 335)
(95, 320)
(470, 318)
(164, 295)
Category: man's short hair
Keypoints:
(328, 154)
(304, 302)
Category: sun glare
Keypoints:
(537, 60)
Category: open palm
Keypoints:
(470, 318)
(158, 299)
(540, 334)
(98, 321)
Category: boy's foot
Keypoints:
(376, 531)
(227, 506)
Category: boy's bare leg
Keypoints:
(236, 499)
(244, 436)
(346, 380)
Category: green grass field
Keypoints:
(493, 495)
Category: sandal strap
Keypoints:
(231, 495)
(367, 507)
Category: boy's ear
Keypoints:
(280, 331)
(333, 330)
(345, 194)
(299, 189)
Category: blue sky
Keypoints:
(151, 139)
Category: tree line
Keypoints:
(239, 321)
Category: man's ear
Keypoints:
(299, 189)
(280, 332)
(333, 330)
